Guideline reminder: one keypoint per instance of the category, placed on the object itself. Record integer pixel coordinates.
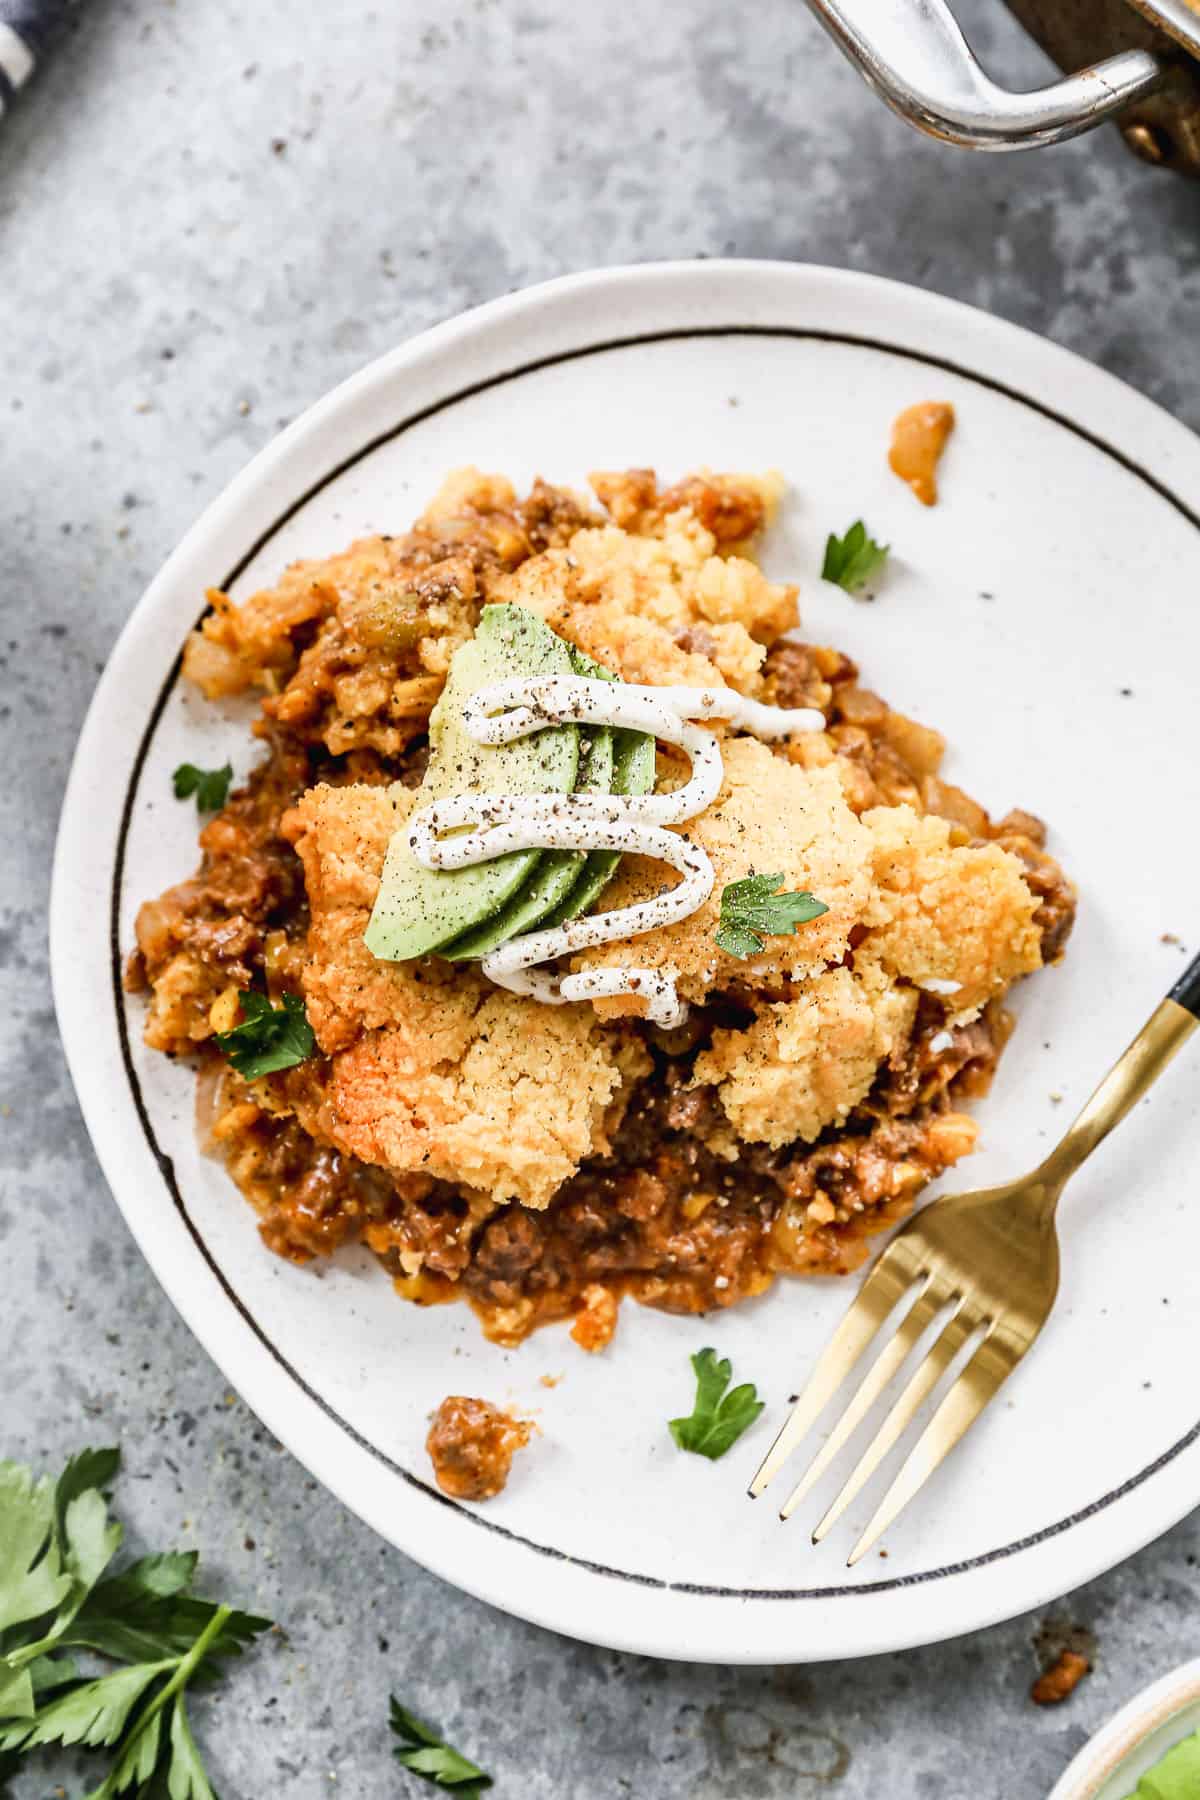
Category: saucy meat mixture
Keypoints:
(545, 1161)
(471, 1445)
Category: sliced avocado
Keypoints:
(559, 870)
(417, 909)
(633, 773)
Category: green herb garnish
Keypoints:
(269, 1038)
(425, 1754)
(718, 1418)
(210, 786)
(752, 909)
(56, 1541)
(851, 561)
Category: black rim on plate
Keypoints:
(164, 1162)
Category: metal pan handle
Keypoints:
(914, 55)
(27, 30)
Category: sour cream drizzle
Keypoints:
(505, 710)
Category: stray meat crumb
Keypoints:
(471, 1445)
(596, 1320)
(1065, 1651)
(1061, 1679)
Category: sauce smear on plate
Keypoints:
(918, 438)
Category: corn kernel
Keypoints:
(224, 1011)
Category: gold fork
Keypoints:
(989, 1262)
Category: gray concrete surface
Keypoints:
(208, 214)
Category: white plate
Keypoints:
(1111, 1764)
(1059, 572)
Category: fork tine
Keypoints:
(876, 1298)
(993, 1361)
(887, 1364)
(925, 1378)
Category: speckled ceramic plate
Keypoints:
(1045, 617)
(1111, 1764)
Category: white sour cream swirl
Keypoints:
(498, 823)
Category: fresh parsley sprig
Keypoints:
(423, 1753)
(269, 1038)
(56, 1541)
(210, 786)
(851, 561)
(718, 1419)
(752, 909)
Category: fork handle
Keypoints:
(1186, 992)
(1168, 1027)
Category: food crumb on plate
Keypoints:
(471, 1445)
(919, 436)
(596, 1319)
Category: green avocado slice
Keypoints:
(417, 909)
(559, 870)
(633, 773)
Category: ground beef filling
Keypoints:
(679, 1214)
(471, 1445)
(664, 1218)
(687, 1231)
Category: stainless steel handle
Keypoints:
(914, 55)
(27, 30)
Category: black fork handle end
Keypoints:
(1186, 991)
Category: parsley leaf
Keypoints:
(16, 1694)
(752, 909)
(96, 1712)
(425, 1754)
(210, 786)
(718, 1418)
(268, 1038)
(188, 1780)
(33, 1581)
(50, 1672)
(56, 1541)
(90, 1469)
(124, 1619)
(851, 561)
